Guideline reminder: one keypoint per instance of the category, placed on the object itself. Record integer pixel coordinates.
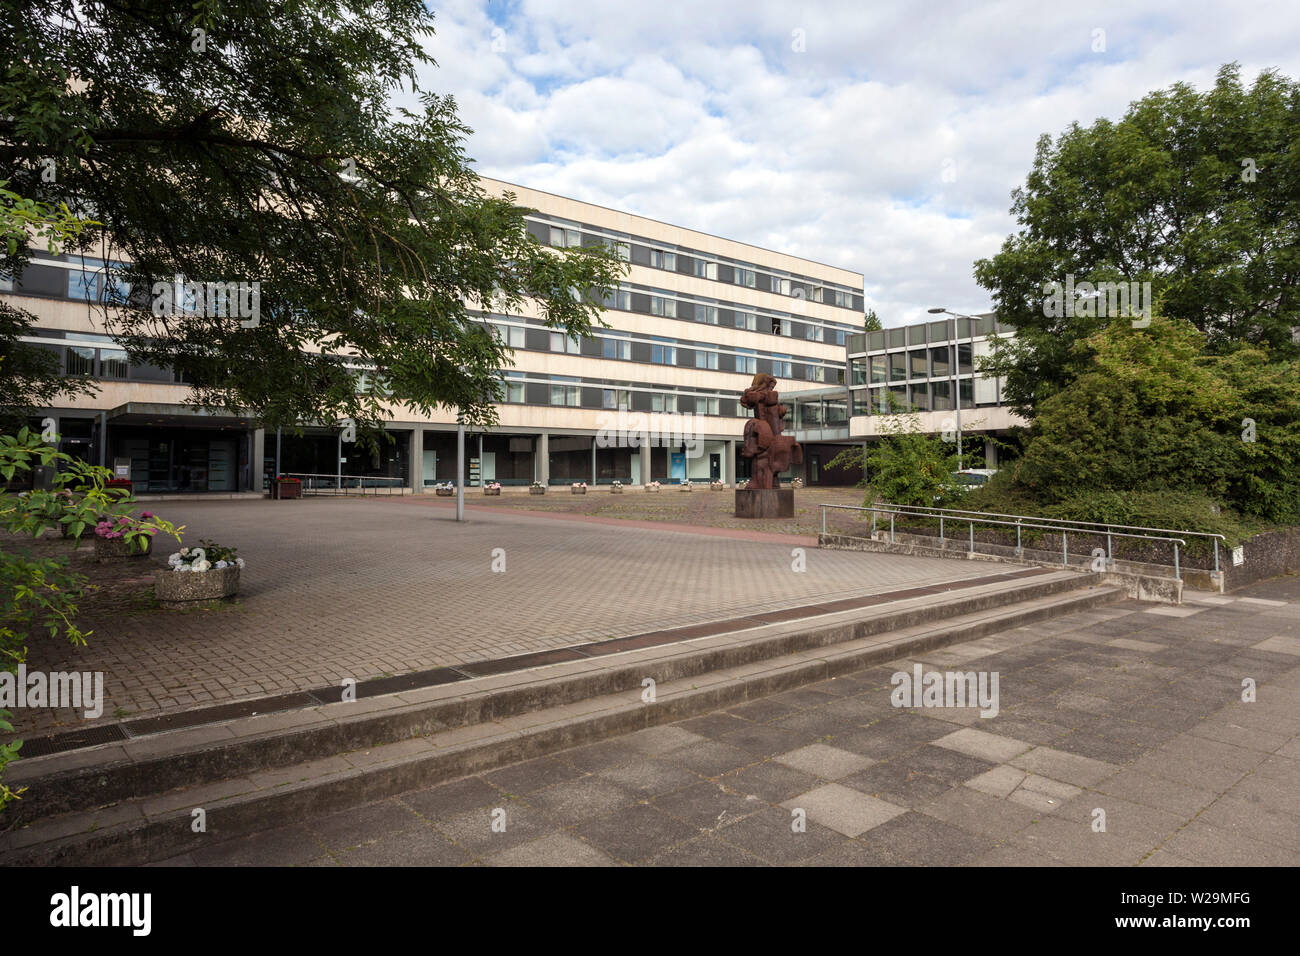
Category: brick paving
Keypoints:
(365, 588)
(1123, 709)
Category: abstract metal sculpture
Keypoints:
(769, 450)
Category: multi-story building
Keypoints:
(931, 369)
(695, 318)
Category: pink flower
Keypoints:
(146, 514)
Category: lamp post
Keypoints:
(956, 369)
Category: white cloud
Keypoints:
(889, 146)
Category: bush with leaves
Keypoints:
(907, 466)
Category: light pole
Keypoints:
(460, 468)
(956, 368)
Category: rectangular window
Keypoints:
(964, 359)
(617, 299)
(858, 372)
(878, 371)
(939, 361)
(816, 373)
(662, 306)
(663, 260)
(565, 238)
(81, 361)
(747, 320)
(897, 366)
(565, 343)
(514, 390)
(663, 354)
(511, 335)
(839, 336)
(814, 333)
(941, 392)
(708, 406)
(746, 277)
(705, 359)
(565, 395)
(781, 366)
(663, 403)
(746, 361)
(83, 286)
(916, 359)
(6, 283)
(617, 347)
(616, 398)
(112, 363)
(707, 314)
(780, 286)
(706, 270)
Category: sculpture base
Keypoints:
(764, 502)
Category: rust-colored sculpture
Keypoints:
(769, 450)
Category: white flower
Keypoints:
(239, 562)
(184, 552)
(203, 566)
(221, 564)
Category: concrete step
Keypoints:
(135, 802)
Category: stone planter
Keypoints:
(579, 491)
(182, 589)
(537, 491)
(491, 491)
(445, 492)
(616, 490)
(283, 490)
(653, 491)
(717, 486)
(119, 549)
(683, 487)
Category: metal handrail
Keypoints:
(1214, 536)
(337, 480)
(1019, 524)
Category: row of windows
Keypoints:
(662, 303)
(933, 396)
(572, 235)
(617, 345)
(915, 364)
(568, 392)
(928, 333)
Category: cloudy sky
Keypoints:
(884, 137)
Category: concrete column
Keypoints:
(256, 464)
(417, 459)
(542, 466)
(480, 459)
(645, 464)
(990, 455)
(729, 463)
(593, 463)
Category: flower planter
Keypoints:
(616, 490)
(652, 490)
(181, 589)
(445, 492)
(537, 491)
(683, 487)
(716, 486)
(119, 549)
(578, 491)
(491, 491)
(282, 490)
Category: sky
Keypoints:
(881, 137)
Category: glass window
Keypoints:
(565, 238)
(746, 361)
(706, 270)
(859, 372)
(81, 361)
(112, 363)
(6, 283)
(878, 370)
(706, 313)
(814, 333)
(663, 260)
(964, 359)
(780, 286)
(839, 336)
(617, 299)
(986, 391)
(83, 286)
(565, 343)
(616, 398)
(815, 373)
(941, 394)
(746, 320)
(662, 306)
(663, 403)
(705, 359)
(966, 389)
(618, 347)
(939, 364)
(515, 393)
(708, 406)
(917, 363)
(663, 354)
(565, 395)
(897, 366)
(511, 335)
(921, 397)
(781, 366)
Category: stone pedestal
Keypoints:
(764, 502)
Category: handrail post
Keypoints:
(972, 536)
(1065, 549)
(941, 531)
(1110, 561)
(1177, 575)
(891, 527)
(1020, 551)
(1216, 556)
(823, 519)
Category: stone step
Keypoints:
(100, 808)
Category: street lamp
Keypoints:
(956, 369)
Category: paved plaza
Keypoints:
(364, 588)
(1129, 715)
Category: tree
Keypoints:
(871, 321)
(906, 466)
(1196, 193)
(283, 157)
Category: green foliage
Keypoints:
(906, 466)
(8, 754)
(291, 145)
(1156, 431)
(871, 321)
(1197, 193)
